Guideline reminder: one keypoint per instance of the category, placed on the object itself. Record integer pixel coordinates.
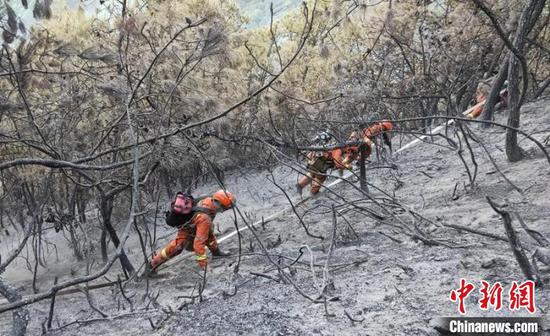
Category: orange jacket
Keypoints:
(337, 158)
(202, 221)
(478, 108)
(328, 159)
(378, 128)
(352, 152)
(342, 158)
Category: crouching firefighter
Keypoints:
(195, 232)
(318, 164)
(481, 95)
(380, 128)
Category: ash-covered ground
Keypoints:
(389, 272)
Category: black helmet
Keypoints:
(323, 138)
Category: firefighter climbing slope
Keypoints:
(318, 163)
(197, 233)
(481, 94)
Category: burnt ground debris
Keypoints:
(381, 280)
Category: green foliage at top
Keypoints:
(378, 60)
(258, 11)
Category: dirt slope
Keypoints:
(389, 286)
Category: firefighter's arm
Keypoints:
(351, 154)
(367, 142)
(478, 107)
(203, 222)
(337, 157)
(476, 110)
(367, 146)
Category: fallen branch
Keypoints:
(50, 163)
(294, 209)
(267, 276)
(482, 233)
(390, 237)
(15, 253)
(91, 303)
(352, 319)
(101, 319)
(52, 305)
(515, 244)
(537, 236)
(480, 142)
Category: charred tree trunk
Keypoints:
(492, 99)
(2, 225)
(541, 88)
(513, 151)
(103, 242)
(363, 170)
(527, 20)
(500, 79)
(21, 315)
(106, 209)
(515, 244)
(81, 206)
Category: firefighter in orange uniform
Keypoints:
(367, 135)
(482, 93)
(199, 230)
(318, 164)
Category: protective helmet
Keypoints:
(323, 138)
(225, 198)
(387, 125)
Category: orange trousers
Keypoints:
(183, 240)
(316, 181)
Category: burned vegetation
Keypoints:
(337, 166)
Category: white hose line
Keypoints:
(298, 202)
(347, 175)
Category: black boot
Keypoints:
(220, 253)
(149, 271)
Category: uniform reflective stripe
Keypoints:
(202, 257)
(200, 209)
(163, 253)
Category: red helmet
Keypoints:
(225, 198)
(387, 125)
